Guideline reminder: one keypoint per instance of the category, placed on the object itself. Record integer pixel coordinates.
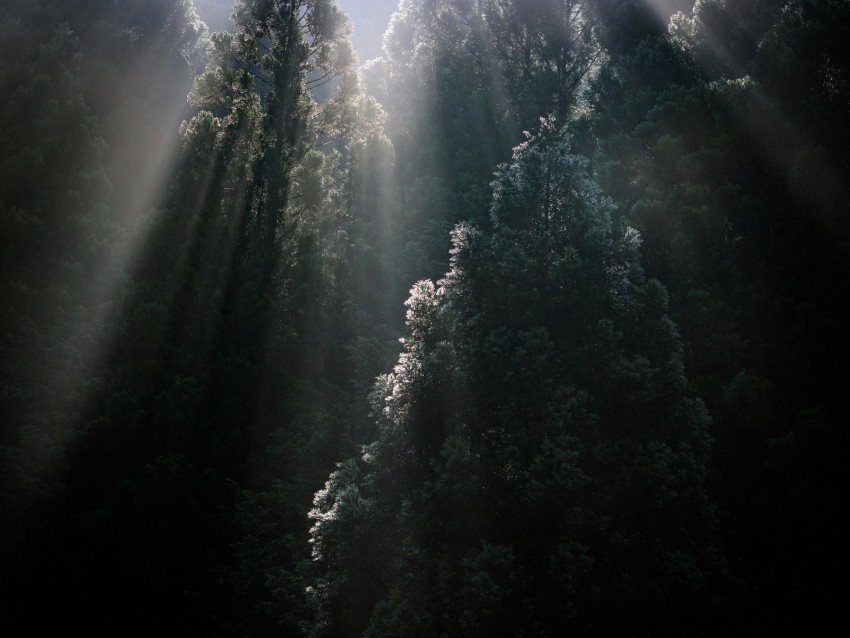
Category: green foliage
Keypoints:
(545, 49)
(225, 352)
(57, 235)
(701, 136)
(460, 81)
(537, 442)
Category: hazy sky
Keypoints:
(370, 19)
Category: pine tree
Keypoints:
(713, 138)
(540, 462)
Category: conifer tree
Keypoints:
(719, 138)
(540, 463)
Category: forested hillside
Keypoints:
(531, 326)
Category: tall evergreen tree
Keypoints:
(702, 140)
(196, 439)
(540, 463)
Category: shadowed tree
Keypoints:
(540, 463)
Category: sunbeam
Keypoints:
(134, 105)
(720, 40)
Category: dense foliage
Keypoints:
(616, 405)
(540, 463)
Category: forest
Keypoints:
(522, 319)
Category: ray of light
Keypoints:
(142, 153)
(765, 120)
